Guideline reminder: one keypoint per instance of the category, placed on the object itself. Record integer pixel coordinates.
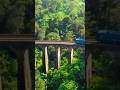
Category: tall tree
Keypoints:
(60, 16)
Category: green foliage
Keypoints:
(103, 15)
(60, 20)
(68, 85)
(69, 36)
(8, 71)
(103, 73)
(15, 16)
(40, 84)
(38, 58)
(41, 36)
(60, 16)
(53, 36)
(59, 78)
(103, 65)
(73, 72)
(100, 83)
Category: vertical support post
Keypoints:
(21, 78)
(45, 59)
(27, 73)
(0, 82)
(58, 57)
(70, 55)
(88, 69)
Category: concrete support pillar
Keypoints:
(88, 69)
(58, 57)
(0, 82)
(45, 59)
(27, 73)
(70, 57)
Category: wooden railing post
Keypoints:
(45, 59)
(27, 72)
(58, 57)
(21, 77)
(88, 69)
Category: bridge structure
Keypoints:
(57, 45)
(89, 49)
(23, 46)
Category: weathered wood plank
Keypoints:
(27, 73)
(88, 69)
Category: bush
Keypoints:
(68, 85)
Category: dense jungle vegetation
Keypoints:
(8, 70)
(60, 20)
(103, 15)
(17, 17)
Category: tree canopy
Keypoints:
(16, 16)
(60, 16)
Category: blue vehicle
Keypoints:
(80, 40)
(108, 37)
